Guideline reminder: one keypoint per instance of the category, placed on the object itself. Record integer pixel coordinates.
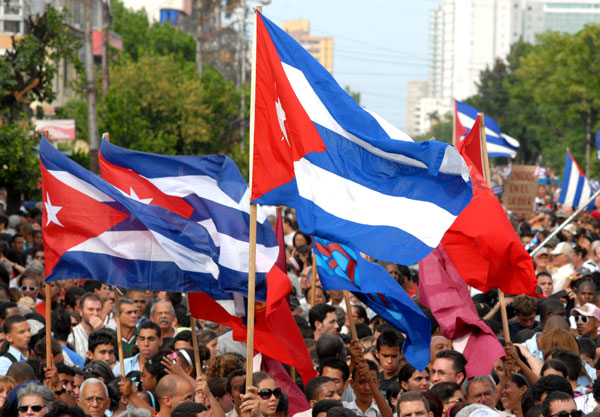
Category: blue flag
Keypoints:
(575, 188)
(341, 268)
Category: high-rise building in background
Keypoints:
(320, 47)
(466, 36)
(415, 91)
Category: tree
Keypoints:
(441, 130)
(26, 74)
(162, 106)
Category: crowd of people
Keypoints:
(550, 368)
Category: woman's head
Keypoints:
(268, 392)
(209, 339)
(153, 371)
(35, 400)
(411, 379)
(300, 239)
(554, 367)
(6, 385)
(513, 391)
(558, 338)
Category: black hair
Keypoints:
(72, 296)
(5, 306)
(217, 386)
(372, 367)
(11, 320)
(313, 387)
(392, 392)
(406, 372)
(155, 367)
(586, 346)
(151, 325)
(556, 365)
(102, 336)
(549, 384)
(335, 363)
(390, 338)
(114, 393)
(363, 330)
(572, 362)
(458, 360)
(188, 409)
(444, 390)
(555, 396)
(317, 287)
(318, 313)
(62, 368)
(340, 412)
(233, 374)
(98, 369)
(361, 312)
(330, 346)
(136, 378)
(323, 406)
(91, 285)
(61, 324)
(183, 318)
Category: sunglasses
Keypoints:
(573, 413)
(28, 288)
(584, 320)
(38, 408)
(266, 393)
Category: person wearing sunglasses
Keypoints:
(35, 400)
(587, 318)
(268, 393)
(560, 404)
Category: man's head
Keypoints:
(236, 381)
(481, 390)
(149, 339)
(90, 306)
(17, 332)
(139, 299)
(321, 388)
(218, 388)
(448, 366)
(102, 345)
(103, 292)
(525, 309)
(163, 314)
(93, 397)
(190, 409)
(329, 346)
(586, 291)
(389, 352)
(128, 313)
(7, 309)
(572, 362)
(323, 320)
(587, 318)
(30, 287)
(360, 384)
(20, 372)
(562, 254)
(413, 404)
(558, 402)
(66, 376)
(18, 242)
(173, 390)
(338, 371)
(549, 308)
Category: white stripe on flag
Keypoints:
(493, 147)
(571, 185)
(81, 185)
(326, 189)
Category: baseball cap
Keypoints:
(588, 309)
(542, 251)
(571, 228)
(563, 248)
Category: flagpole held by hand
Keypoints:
(195, 346)
(486, 174)
(313, 280)
(350, 318)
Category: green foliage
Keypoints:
(158, 105)
(19, 169)
(76, 109)
(440, 130)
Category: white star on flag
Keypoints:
(281, 118)
(133, 195)
(51, 212)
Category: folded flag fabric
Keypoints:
(442, 289)
(209, 190)
(351, 176)
(470, 145)
(575, 188)
(93, 230)
(482, 243)
(342, 268)
(275, 331)
(498, 143)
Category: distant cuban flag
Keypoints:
(351, 176)
(498, 144)
(342, 268)
(576, 188)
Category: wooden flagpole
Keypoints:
(349, 313)
(313, 281)
(486, 175)
(49, 357)
(119, 337)
(253, 211)
(195, 346)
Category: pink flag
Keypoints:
(442, 290)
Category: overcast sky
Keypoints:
(378, 44)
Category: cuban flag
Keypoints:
(498, 143)
(342, 268)
(209, 190)
(351, 176)
(93, 230)
(575, 188)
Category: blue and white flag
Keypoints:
(342, 268)
(209, 190)
(575, 188)
(351, 176)
(498, 143)
(93, 230)
(598, 144)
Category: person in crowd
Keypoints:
(413, 404)
(558, 402)
(512, 393)
(448, 366)
(171, 391)
(525, 308)
(91, 319)
(542, 261)
(148, 343)
(209, 339)
(129, 319)
(323, 320)
(16, 345)
(587, 317)
(544, 280)
(102, 345)
(449, 392)
(338, 370)
(410, 379)
(389, 354)
(562, 267)
(481, 390)
(163, 314)
(35, 400)
(268, 393)
(7, 383)
(93, 397)
(317, 389)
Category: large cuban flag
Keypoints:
(93, 230)
(575, 188)
(498, 143)
(352, 177)
(209, 190)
